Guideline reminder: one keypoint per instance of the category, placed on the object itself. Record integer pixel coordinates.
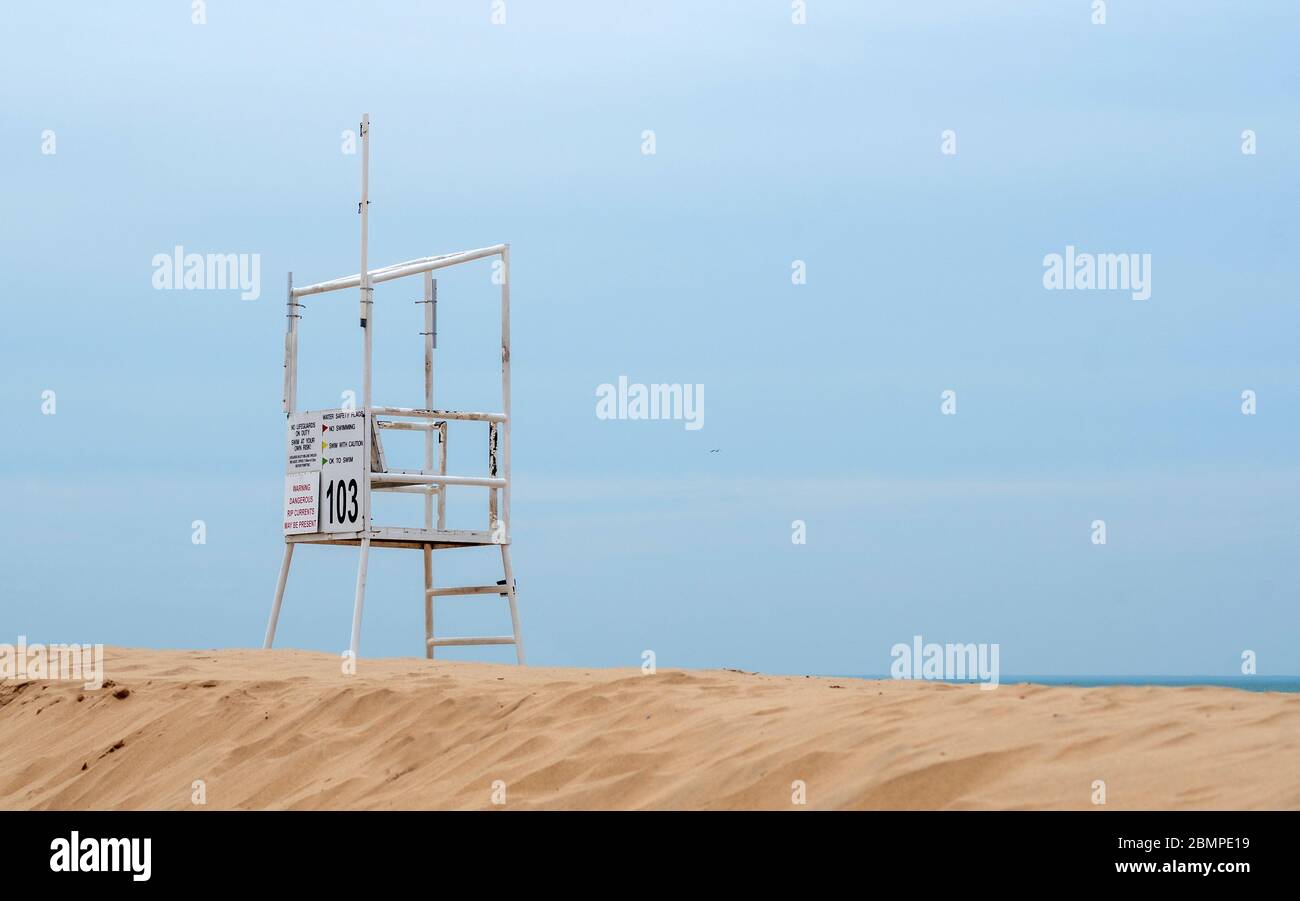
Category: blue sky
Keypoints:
(774, 142)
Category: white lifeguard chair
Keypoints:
(335, 458)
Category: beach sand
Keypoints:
(285, 729)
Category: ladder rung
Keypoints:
(465, 589)
(462, 642)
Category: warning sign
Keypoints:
(325, 488)
(304, 442)
(345, 454)
(301, 502)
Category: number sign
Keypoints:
(328, 451)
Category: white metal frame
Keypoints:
(432, 484)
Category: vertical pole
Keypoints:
(514, 606)
(290, 393)
(361, 595)
(279, 595)
(442, 471)
(290, 396)
(428, 600)
(505, 396)
(367, 307)
(291, 318)
(493, 439)
(367, 293)
(505, 453)
(430, 298)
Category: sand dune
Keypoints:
(284, 729)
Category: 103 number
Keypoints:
(341, 501)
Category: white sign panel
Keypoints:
(345, 455)
(301, 502)
(304, 442)
(327, 453)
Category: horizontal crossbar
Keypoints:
(378, 479)
(410, 426)
(437, 414)
(465, 642)
(400, 270)
(465, 589)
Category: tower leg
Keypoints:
(279, 595)
(514, 607)
(361, 596)
(430, 326)
(428, 600)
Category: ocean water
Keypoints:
(1245, 683)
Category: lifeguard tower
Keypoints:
(335, 458)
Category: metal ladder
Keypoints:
(504, 588)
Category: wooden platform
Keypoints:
(391, 536)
